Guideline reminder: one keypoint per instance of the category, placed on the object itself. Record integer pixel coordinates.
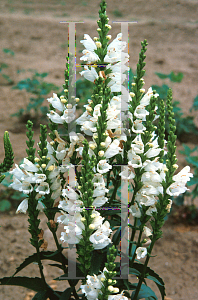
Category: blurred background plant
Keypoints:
(4, 66)
(37, 88)
(184, 125)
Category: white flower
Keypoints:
(89, 56)
(90, 292)
(134, 159)
(151, 210)
(100, 237)
(99, 201)
(54, 117)
(88, 43)
(135, 211)
(56, 102)
(100, 191)
(183, 176)
(43, 188)
(138, 127)
(28, 166)
(137, 145)
(141, 252)
(103, 166)
(147, 231)
(127, 174)
(113, 149)
(23, 206)
(88, 74)
(146, 98)
(140, 112)
(117, 297)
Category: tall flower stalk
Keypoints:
(88, 209)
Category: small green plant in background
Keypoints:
(38, 88)
(5, 166)
(5, 66)
(183, 124)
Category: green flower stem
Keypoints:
(85, 247)
(110, 265)
(141, 278)
(30, 143)
(9, 155)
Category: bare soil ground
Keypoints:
(32, 30)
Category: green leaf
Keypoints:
(97, 261)
(3, 66)
(43, 295)
(176, 77)
(149, 272)
(5, 205)
(8, 51)
(145, 292)
(117, 236)
(50, 255)
(66, 294)
(7, 78)
(32, 283)
(161, 75)
(195, 104)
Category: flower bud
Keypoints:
(142, 90)
(52, 143)
(37, 159)
(83, 219)
(77, 100)
(98, 44)
(63, 101)
(91, 226)
(95, 38)
(102, 279)
(101, 153)
(88, 108)
(108, 37)
(132, 94)
(43, 166)
(110, 281)
(69, 105)
(116, 290)
(133, 83)
(98, 29)
(110, 288)
(102, 144)
(50, 168)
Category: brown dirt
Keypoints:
(32, 30)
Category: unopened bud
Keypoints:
(91, 226)
(175, 166)
(92, 146)
(98, 29)
(116, 290)
(110, 288)
(88, 108)
(108, 26)
(95, 38)
(83, 219)
(98, 44)
(37, 159)
(50, 168)
(102, 279)
(77, 99)
(43, 166)
(101, 153)
(69, 105)
(110, 281)
(63, 101)
(133, 83)
(108, 37)
(132, 94)
(142, 90)
(102, 144)
(93, 216)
